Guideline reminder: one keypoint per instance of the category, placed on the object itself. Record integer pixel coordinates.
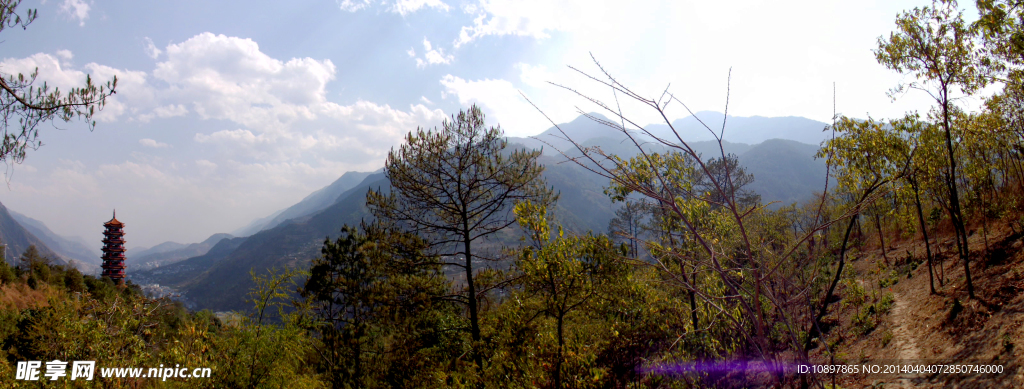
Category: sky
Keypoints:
(229, 111)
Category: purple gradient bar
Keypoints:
(755, 366)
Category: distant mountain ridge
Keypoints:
(17, 239)
(784, 171)
(160, 248)
(739, 129)
(166, 253)
(86, 258)
(211, 279)
(316, 201)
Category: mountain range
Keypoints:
(215, 273)
(171, 252)
(316, 201)
(15, 239)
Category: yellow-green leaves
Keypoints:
(935, 45)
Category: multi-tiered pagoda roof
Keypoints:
(113, 250)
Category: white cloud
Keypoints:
(170, 110)
(500, 101)
(376, 128)
(65, 55)
(279, 105)
(151, 50)
(133, 92)
(77, 9)
(401, 7)
(230, 78)
(50, 70)
(533, 18)
(431, 55)
(405, 7)
(286, 139)
(206, 165)
(166, 111)
(154, 144)
(353, 6)
(231, 136)
(131, 85)
(411, 52)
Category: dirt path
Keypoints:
(903, 338)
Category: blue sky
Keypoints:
(227, 111)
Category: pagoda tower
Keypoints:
(113, 250)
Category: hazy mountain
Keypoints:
(68, 249)
(164, 254)
(17, 239)
(255, 225)
(316, 201)
(160, 248)
(181, 272)
(784, 170)
(739, 129)
(579, 130)
(214, 280)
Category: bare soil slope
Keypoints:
(942, 328)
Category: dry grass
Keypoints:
(19, 296)
(947, 327)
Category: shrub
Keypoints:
(6, 273)
(886, 304)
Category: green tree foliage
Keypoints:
(376, 311)
(628, 225)
(456, 187)
(37, 266)
(564, 275)
(1001, 24)
(32, 105)
(262, 354)
(116, 326)
(936, 46)
(870, 157)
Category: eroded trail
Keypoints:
(907, 350)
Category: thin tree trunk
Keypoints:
(832, 287)
(924, 231)
(561, 346)
(860, 232)
(954, 197)
(881, 238)
(690, 292)
(474, 321)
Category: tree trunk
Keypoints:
(835, 281)
(924, 231)
(860, 232)
(692, 295)
(474, 322)
(954, 197)
(561, 346)
(881, 238)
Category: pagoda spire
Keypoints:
(113, 250)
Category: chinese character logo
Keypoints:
(83, 369)
(28, 370)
